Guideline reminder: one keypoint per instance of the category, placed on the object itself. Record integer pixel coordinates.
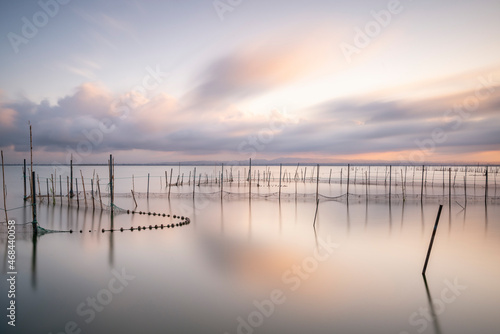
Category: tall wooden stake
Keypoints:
(317, 184)
(24, 177)
(83, 185)
(432, 240)
(279, 196)
(33, 202)
(111, 194)
(147, 195)
(250, 179)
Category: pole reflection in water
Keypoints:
(33, 260)
(111, 238)
(435, 320)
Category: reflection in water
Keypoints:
(485, 218)
(111, 239)
(390, 217)
(250, 218)
(222, 217)
(348, 218)
(435, 320)
(279, 215)
(33, 261)
(422, 217)
(402, 214)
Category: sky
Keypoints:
(409, 81)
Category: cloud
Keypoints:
(92, 122)
(258, 68)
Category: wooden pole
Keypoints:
(194, 181)
(71, 177)
(83, 185)
(92, 192)
(33, 202)
(348, 176)
(432, 240)
(52, 179)
(133, 196)
(279, 196)
(77, 195)
(222, 182)
(166, 180)
(250, 179)
(24, 177)
(317, 184)
(4, 192)
(170, 183)
(422, 185)
(67, 186)
(330, 177)
(465, 185)
(486, 187)
(99, 191)
(147, 194)
(449, 185)
(111, 180)
(390, 181)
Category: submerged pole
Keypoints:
(279, 196)
(250, 179)
(24, 177)
(222, 182)
(111, 180)
(486, 187)
(317, 184)
(348, 176)
(194, 181)
(390, 181)
(33, 201)
(432, 240)
(422, 185)
(71, 178)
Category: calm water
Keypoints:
(258, 266)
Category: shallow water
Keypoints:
(255, 265)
